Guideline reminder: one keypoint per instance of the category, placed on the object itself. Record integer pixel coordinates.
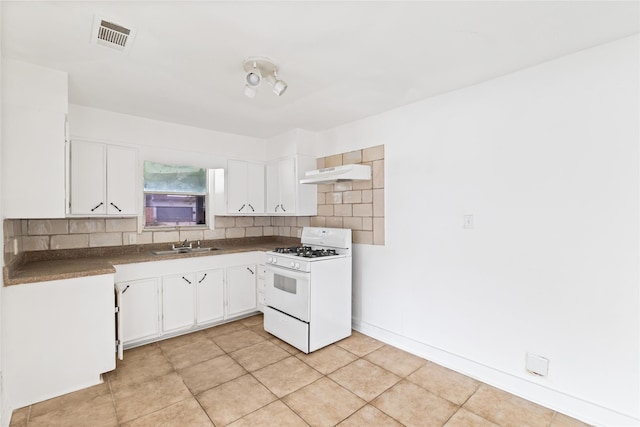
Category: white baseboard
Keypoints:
(572, 406)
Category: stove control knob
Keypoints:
(274, 261)
(293, 264)
(297, 266)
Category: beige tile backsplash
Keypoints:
(356, 205)
(45, 234)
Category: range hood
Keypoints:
(337, 174)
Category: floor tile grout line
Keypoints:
(113, 400)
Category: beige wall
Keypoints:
(357, 205)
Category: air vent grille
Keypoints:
(107, 33)
(113, 33)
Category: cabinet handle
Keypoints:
(241, 207)
(276, 209)
(125, 289)
(250, 270)
(200, 281)
(97, 206)
(186, 280)
(112, 204)
(282, 206)
(252, 210)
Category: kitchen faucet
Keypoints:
(182, 245)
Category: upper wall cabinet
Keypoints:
(245, 188)
(103, 179)
(34, 129)
(285, 194)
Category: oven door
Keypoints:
(288, 291)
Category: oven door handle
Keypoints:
(303, 275)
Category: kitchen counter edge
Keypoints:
(44, 270)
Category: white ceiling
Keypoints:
(342, 60)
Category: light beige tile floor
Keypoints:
(237, 374)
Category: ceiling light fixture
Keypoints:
(258, 68)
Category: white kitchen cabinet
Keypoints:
(241, 289)
(245, 187)
(222, 287)
(139, 310)
(192, 299)
(34, 129)
(123, 188)
(59, 336)
(103, 179)
(285, 194)
(260, 285)
(209, 296)
(178, 298)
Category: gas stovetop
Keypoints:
(306, 251)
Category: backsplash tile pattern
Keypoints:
(357, 205)
(45, 234)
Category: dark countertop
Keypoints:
(42, 266)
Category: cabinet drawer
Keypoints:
(287, 328)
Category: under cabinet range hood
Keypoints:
(337, 174)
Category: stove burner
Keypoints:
(306, 251)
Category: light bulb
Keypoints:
(249, 91)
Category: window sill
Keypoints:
(178, 228)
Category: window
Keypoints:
(174, 196)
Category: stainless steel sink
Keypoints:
(184, 251)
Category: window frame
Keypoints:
(208, 206)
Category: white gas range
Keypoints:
(308, 289)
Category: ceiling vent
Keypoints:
(107, 33)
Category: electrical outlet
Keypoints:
(467, 221)
(537, 365)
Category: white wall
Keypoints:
(547, 161)
(296, 141)
(163, 141)
(5, 417)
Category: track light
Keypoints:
(254, 77)
(278, 85)
(258, 68)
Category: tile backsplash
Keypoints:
(74, 233)
(357, 205)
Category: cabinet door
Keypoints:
(241, 289)
(255, 188)
(139, 310)
(236, 186)
(122, 182)
(287, 183)
(33, 166)
(88, 178)
(273, 188)
(209, 296)
(178, 302)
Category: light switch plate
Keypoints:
(467, 221)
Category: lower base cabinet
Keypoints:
(178, 294)
(171, 304)
(60, 337)
(192, 299)
(241, 289)
(209, 296)
(139, 310)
